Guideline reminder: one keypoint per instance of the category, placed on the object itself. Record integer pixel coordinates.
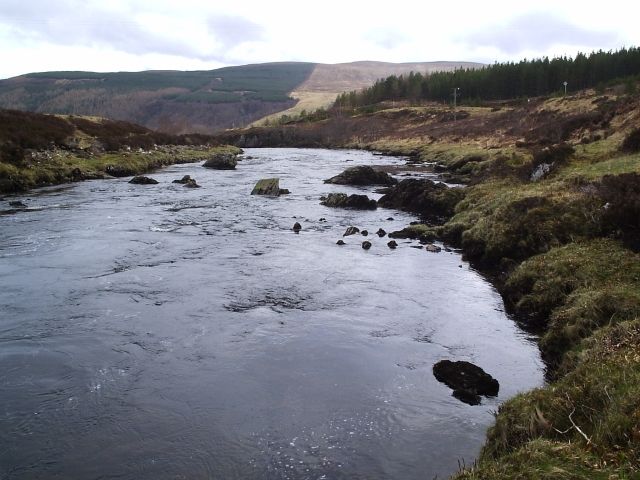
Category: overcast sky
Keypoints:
(120, 35)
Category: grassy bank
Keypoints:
(38, 150)
(59, 166)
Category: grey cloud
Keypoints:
(231, 31)
(78, 23)
(538, 31)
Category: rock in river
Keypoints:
(142, 180)
(362, 175)
(366, 245)
(342, 200)
(351, 231)
(467, 380)
(187, 182)
(392, 244)
(340, 242)
(297, 227)
(269, 187)
(222, 161)
(433, 201)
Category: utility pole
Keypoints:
(456, 90)
(565, 83)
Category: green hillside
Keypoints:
(174, 101)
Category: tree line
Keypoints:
(527, 78)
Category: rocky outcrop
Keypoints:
(269, 187)
(342, 200)
(142, 180)
(433, 201)
(222, 161)
(362, 175)
(467, 380)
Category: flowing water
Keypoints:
(152, 332)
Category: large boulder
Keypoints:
(142, 180)
(433, 201)
(342, 200)
(222, 161)
(269, 187)
(467, 380)
(362, 175)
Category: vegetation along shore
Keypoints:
(550, 210)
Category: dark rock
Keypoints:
(467, 397)
(322, 219)
(183, 180)
(267, 186)
(392, 244)
(433, 201)
(17, 204)
(119, 171)
(297, 227)
(142, 180)
(366, 245)
(381, 233)
(351, 231)
(364, 233)
(222, 161)
(340, 242)
(391, 219)
(430, 247)
(362, 175)
(191, 184)
(284, 191)
(466, 377)
(419, 247)
(77, 175)
(342, 200)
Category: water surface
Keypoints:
(164, 332)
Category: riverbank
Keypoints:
(41, 150)
(550, 213)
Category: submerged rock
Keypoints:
(17, 204)
(362, 175)
(466, 379)
(340, 242)
(269, 187)
(342, 200)
(222, 161)
(142, 180)
(351, 231)
(366, 245)
(183, 180)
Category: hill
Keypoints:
(195, 101)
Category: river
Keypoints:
(161, 332)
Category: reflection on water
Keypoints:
(165, 332)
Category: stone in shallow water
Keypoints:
(269, 187)
(342, 200)
(351, 231)
(362, 175)
(222, 161)
(142, 180)
(466, 379)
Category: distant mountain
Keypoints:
(198, 101)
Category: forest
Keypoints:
(526, 78)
